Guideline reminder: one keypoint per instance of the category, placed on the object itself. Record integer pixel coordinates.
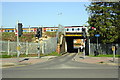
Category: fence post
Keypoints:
(43, 47)
(26, 47)
(8, 47)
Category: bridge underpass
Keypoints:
(69, 44)
(66, 41)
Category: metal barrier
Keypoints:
(104, 48)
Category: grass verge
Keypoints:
(29, 55)
(101, 55)
(53, 54)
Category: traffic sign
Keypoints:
(113, 48)
(97, 35)
(18, 48)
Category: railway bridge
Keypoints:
(72, 39)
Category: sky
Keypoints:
(44, 13)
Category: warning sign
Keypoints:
(113, 48)
(18, 48)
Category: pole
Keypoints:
(84, 50)
(43, 48)
(114, 56)
(97, 43)
(18, 46)
(113, 48)
(26, 47)
(89, 46)
(38, 48)
(8, 47)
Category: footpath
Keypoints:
(14, 62)
(97, 60)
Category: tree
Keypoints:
(104, 16)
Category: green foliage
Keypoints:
(9, 36)
(27, 36)
(7, 56)
(51, 34)
(101, 55)
(53, 54)
(12, 37)
(77, 43)
(21, 55)
(105, 16)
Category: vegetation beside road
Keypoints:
(101, 55)
(50, 34)
(53, 54)
(104, 20)
(29, 55)
(27, 36)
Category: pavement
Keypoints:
(97, 60)
(12, 62)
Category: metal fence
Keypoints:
(46, 47)
(104, 48)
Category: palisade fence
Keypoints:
(46, 47)
(104, 48)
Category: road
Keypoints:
(62, 67)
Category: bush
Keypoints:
(6, 56)
(51, 34)
(27, 36)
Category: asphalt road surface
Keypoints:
(62, 67)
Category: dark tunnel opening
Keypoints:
(70, 44)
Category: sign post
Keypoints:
(97, 35)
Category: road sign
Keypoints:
(113, 48)
(18, 48)
(97, 35)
